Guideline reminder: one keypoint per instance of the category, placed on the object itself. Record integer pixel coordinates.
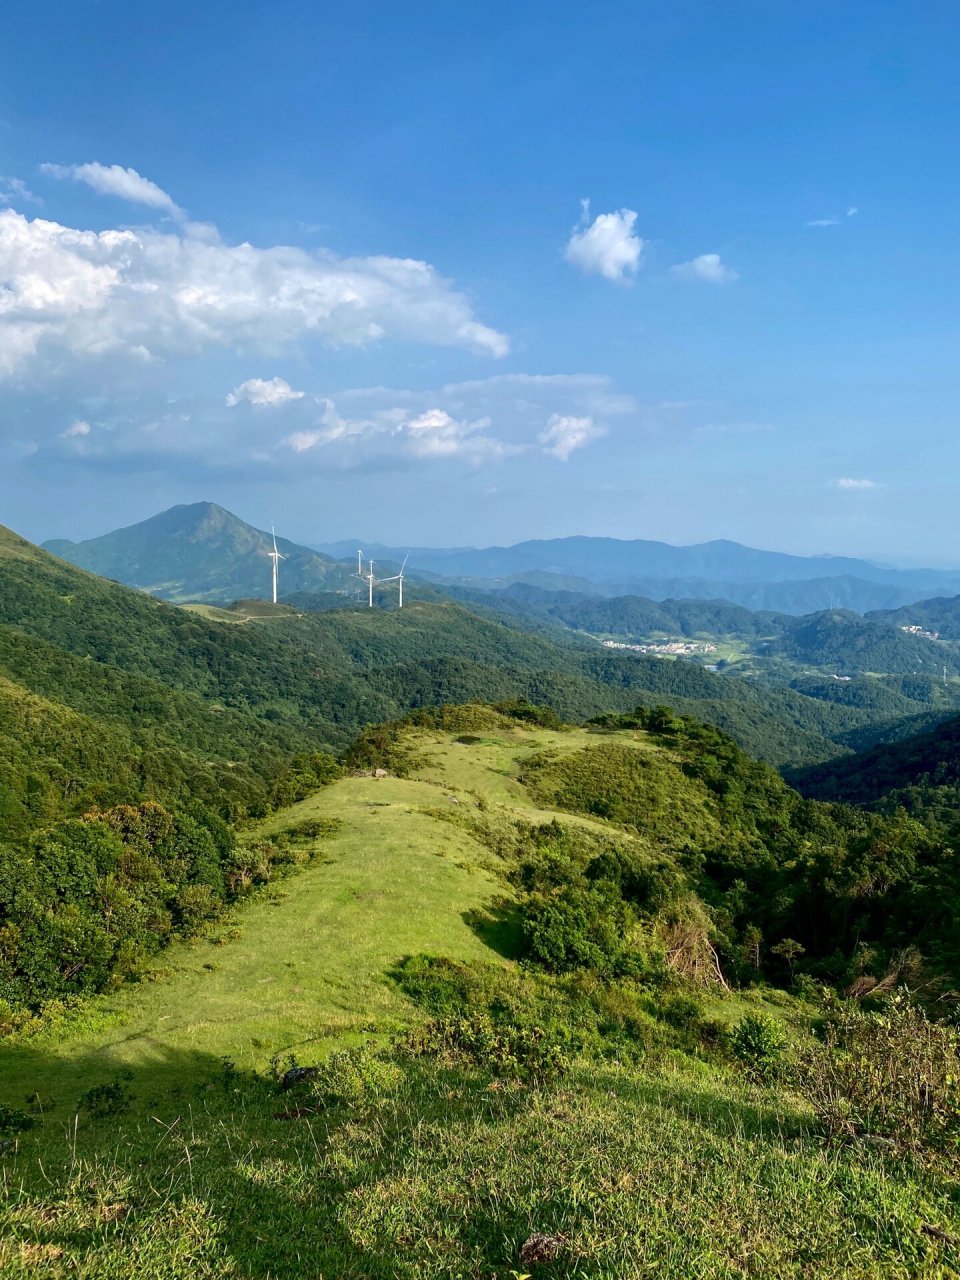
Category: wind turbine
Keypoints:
(276, 557)
(370, 581)
(398, 578)
(367, 577)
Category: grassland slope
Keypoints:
(160, 1148)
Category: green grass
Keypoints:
(650, 1166)
(307, 960)
(311, 959)
(670, 1174)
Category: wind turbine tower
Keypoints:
(276, 557)
(398, 578)
(366, 577)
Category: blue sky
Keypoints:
(332, 266)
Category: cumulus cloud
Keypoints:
(263, 393)
(435, 434)
(76, 430)
(394, 432)
(115, 180)
(708, 267)
(565, 433)
(74, 295)
(608, 246)
(852, 485)
(141, 428)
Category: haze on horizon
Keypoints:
(450, 277)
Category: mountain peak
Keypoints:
(200, 551)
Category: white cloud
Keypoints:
(74, 295)
(435, 434)
(16, 191)
(263, 393)
(76, 430)
(851, 212)
(393, 432)
(521, 396)
(708, 267)
(115, 180)
(607, 246)
(564, 433)
(142, 427)
(852, 485)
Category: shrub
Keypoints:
(759, 1042)
(352, 1077)
(112, 1099)
(530, 713)
(194, 906)
(679, 1010)
(14, 1121)
(440, 986)
(892, 1073)
(527, 1053)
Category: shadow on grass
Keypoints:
(178, 1171)
(222, 1173)
(223, 1167)
(499, 926)
(752, 1115)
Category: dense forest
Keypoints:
(633, 616)
(853, 644)
(941, 614)
(920, 774)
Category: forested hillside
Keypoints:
(941, 614)
(920, 773)
(634, 616)
(313, 679)
(852, 644)
(836, 656)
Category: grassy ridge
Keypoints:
(649, 1156)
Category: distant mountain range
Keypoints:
(710, 570)
(202, 552)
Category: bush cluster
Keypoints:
(519, 1052)
(85, 904)
(890, 1072)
